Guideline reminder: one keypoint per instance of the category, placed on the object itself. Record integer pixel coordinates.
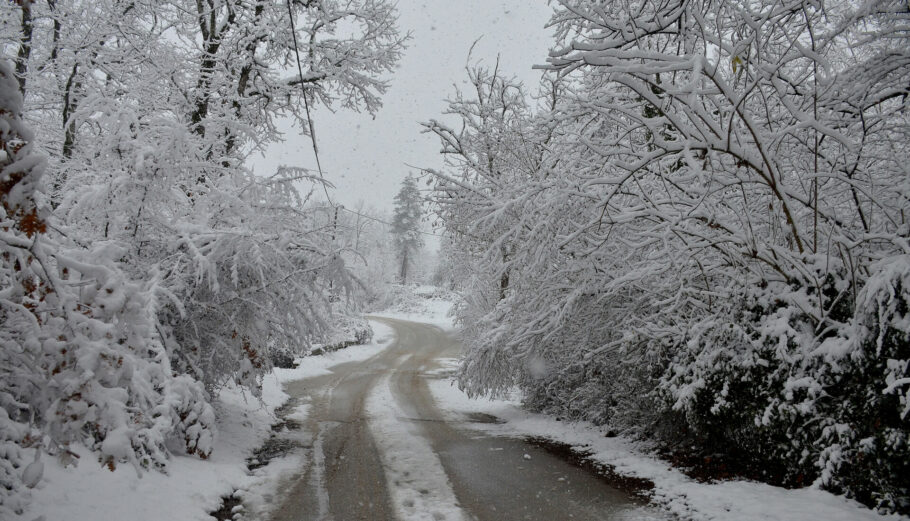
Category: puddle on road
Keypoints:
(480, 417)
(511, 479)
(274, 447)
(624, 497)
(638, 487)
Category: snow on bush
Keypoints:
(767, 384)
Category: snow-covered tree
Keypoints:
(156, 268)
(406, 222)
(150, 110)
(701, 249)
(82, 360)
(370, 250)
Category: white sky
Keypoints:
(364, 157)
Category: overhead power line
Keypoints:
(306, 104)
(371, 218)
(309, 117)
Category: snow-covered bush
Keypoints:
(769, 386)
(869, 455)
(21, 330)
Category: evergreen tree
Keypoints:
(406, 225)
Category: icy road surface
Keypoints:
(379, 449)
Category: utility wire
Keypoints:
(370, 217)
(309, 117)
(306, 105)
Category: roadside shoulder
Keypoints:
(673, 491)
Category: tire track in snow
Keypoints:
(318, 476)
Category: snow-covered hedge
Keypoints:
(764, 383)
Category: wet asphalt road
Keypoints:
(492, 480)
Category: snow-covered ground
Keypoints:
(192, 488)
(311, 366)
(429, 306)
(673, 491)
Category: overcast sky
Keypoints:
(364, 157)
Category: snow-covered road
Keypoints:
(380, 449)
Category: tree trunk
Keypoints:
(404, 267)
(25, 44)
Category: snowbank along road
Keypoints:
(378, 448)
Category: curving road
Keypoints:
(491, 477)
